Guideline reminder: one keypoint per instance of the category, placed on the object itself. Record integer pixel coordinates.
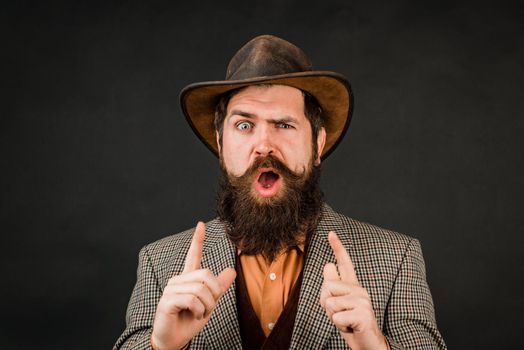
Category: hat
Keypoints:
(268, 59)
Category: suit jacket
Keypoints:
(389, 266)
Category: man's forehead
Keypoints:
(267, 95)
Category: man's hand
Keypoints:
(347, 304)
(189, 299)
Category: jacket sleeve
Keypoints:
(409, 321)
(141, 308)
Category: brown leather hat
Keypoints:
(267, 59)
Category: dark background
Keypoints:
(98, 159)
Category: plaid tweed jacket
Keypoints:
(389, 265)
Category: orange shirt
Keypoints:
(269, 285)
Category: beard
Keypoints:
(270, 225)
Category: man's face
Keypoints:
(268, 120)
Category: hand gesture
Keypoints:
(347, 304)
(189, 299)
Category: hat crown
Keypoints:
(267, 55)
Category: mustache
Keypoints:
(262, 162)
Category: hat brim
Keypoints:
(332, 91)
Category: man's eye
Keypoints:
(284, 126)
(244, 126)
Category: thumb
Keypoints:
(226, 278)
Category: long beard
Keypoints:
(269, 226)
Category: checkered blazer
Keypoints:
(389, 265)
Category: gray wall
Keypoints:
(98, 159)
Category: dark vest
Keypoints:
(251, 332)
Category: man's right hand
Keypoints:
(188, 299)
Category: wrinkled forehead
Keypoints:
(267, 96)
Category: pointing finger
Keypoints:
(345, 265)
(194, 254)
(330, 273)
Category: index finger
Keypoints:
(194, 254)
(345, 265)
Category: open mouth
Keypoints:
(267, 179)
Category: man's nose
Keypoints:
(264, 144)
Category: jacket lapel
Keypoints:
(312, 327)
(222, 330)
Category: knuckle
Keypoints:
(201, 288)
(168, 306)
(328, 302)
(207, 273)
(336, 318)
(331, 304)
(193, 301)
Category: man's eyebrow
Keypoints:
(285, 119)
(242, 113)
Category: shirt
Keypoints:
(269, 285)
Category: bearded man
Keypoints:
(278, 268)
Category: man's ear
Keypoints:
(321, 142)
(218, 140)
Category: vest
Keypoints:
(251, 332)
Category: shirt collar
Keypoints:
(300, 247)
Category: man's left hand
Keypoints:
(347, 304)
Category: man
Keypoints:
(278, 268)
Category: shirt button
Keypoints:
(272, 276)
(270, 325)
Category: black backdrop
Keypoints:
(98, 160)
